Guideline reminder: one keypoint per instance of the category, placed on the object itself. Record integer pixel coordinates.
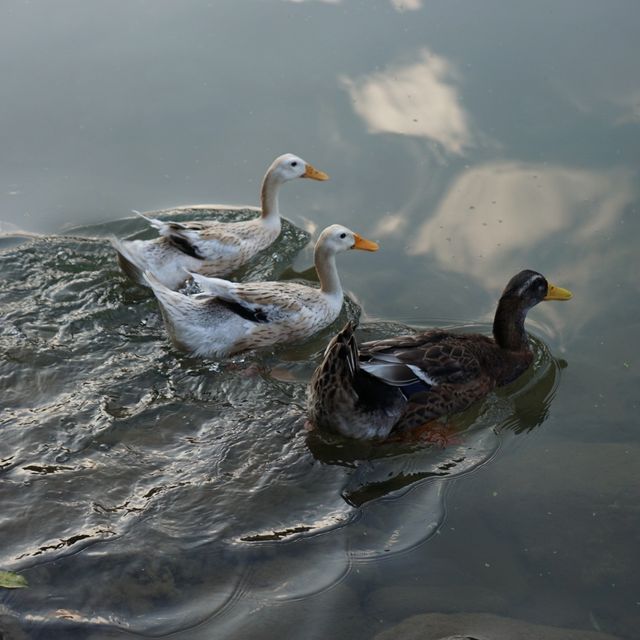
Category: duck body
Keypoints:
(211, 247)
(229, 317)
(244, 316)
(207, 247)
(401, 383)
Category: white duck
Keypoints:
(229, 317)
(210, 247)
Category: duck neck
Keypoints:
(269, 199)
(508, 325)
(325, 262)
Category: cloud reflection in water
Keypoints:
(398, 5)
(500, 217)
(418, 99)
(514, 208)
(407, 5)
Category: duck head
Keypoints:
(529, 287)
(525, 290)
(289, 166)
(336, 238)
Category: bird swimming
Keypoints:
(399, 384)
(208, 246)
(229, 317)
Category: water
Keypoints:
(145, 493)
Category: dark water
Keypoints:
(145, 493)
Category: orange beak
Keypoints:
(364, 244)
(313, 173)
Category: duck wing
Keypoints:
(198, 239)
(442, 400)
(260, 302)
(439, 372)
(432, 358)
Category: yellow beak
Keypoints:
(364, 244)
(557, 293)
(314, 174)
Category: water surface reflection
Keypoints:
(191, 488)
(136, 485)
(419, 98)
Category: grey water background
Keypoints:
(145, 493)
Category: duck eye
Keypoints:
(343, 235)
(294, 163)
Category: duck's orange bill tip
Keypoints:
(364, 244)
(314, 174)
(558, 293)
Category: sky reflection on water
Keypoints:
(472, 140)
(418, 99)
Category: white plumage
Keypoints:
(211, 247)
(228, 317)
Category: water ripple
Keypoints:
(181, 489)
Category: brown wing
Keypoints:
(448, 372)
(435, 357)
(442, 400)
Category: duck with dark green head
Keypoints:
(399, 384)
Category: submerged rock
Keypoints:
(481, 626)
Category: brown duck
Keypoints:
(401, 383)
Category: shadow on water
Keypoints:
(148, 491)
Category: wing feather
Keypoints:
(434, 357)
(256, 301)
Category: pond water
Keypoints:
(145, 493)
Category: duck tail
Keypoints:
(210, 286)
(172, 304)
(331, 389)
(127, 260)
(341, 353)
(158, 287)
(348, 346)
(154, 222)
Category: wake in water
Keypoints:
(150, 491)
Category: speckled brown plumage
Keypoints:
(403, 382)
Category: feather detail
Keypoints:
(436, 373)
(212, 247)
(212, 286)
(229, 317)
(154, 222)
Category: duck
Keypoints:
(207, 246)
(230, 317)
(395, 385)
